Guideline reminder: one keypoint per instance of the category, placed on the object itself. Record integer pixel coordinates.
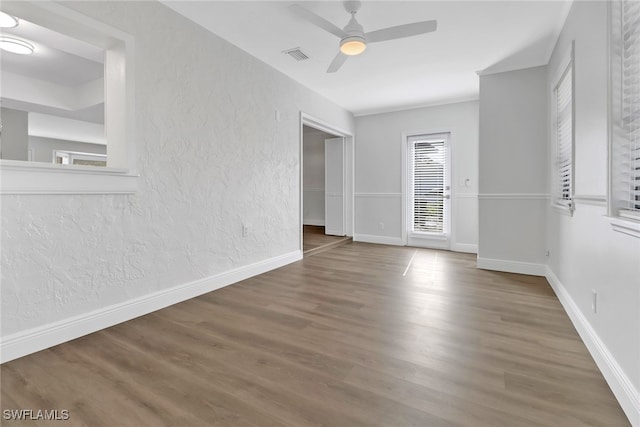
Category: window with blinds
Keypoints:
(563, 94)
(428, 163)
(625, 103)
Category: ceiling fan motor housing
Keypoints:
(354, 43)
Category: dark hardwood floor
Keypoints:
(351, 336)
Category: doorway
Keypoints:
(427, 195)
(326, 178)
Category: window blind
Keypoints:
(630, 168)
(564, 137)
(428, 163)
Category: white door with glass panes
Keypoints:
(428, 191)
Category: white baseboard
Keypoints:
(512, 266)
(465, 247)
(382, 240)
(36, 339)
(628, 396)
(316, 222)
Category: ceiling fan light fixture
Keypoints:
(353, 45)
(14, 45)
(7, 21)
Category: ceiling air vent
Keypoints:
(296, 54)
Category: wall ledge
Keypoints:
(42, 337)
(508, 266)
(628, 396)
(43, 178)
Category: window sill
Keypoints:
(563, 209)
(626, 226)
(18, 177)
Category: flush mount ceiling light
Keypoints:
(14, 45)
(8, 21)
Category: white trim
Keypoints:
(45, 178)
(451, 133)
(513, 196)
(119, 90)
(498, 69)
(590, 199)
(379, 195)
(628, 396)
(381, 240)
(349, 170)
(467, 195)
(374, 112)
(36, 339)
(512, 266)
(626, 226)
(470, 248)
(316, 222)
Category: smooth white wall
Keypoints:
(379, 170)
(513, 170)
(211, 157)
(313, 175)
(14, 139)
(42, 148)
(585, 253)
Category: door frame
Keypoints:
(452, 184)
(349, 169)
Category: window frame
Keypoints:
(412, 140)
(621, 221)
(120, 175)
(566, 68)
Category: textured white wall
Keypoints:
(313, 175)
(379, 169)
(586, 254)
(211, 156)
(513, 166)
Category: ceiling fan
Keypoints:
(353, 39)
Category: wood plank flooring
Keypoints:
(314, 240)
(348, 337)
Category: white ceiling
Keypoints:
(429, 69)
(57, 58)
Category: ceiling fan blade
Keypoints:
(317, 20)
(337, 62)
(401, 31)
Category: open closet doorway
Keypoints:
(326, 187)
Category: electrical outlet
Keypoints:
(381, 226)
(594, 301)
(245, 230)
(547, 254)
